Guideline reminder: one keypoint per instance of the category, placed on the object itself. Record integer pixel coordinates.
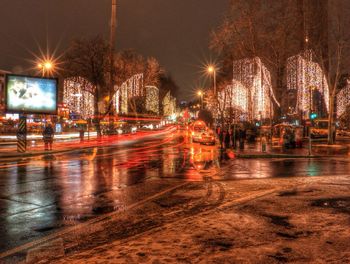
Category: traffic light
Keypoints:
(313, 116)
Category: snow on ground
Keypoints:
(297, 220)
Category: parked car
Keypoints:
(320, 129)
(344, 133)
(207, 138)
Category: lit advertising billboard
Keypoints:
(32, 95)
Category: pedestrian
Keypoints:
(221, 137)
(228, 139)
(234, 137)
(81, 134)
(241, 136)
(263, 143)
(48, 135)
(218, 130)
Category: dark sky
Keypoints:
(176, 32)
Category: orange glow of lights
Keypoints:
(211, 69)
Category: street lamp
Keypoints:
(45, 66)
(200, 94)
(211, 70)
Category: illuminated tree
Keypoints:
(167, 84)
(134, 75)
(78, 96)
(305, 77)
(247, 97)
(343, 101)
(89, 59)
(152, 100)
(269, 30)
(152, 72)
(169, 105)
(127, 64)
(344, 118)
(331, 57)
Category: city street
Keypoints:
(175, 132)
(61, 204)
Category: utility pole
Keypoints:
(113, 27)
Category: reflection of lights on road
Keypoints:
(200, 157)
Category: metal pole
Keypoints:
(214, 81)
(111, 73)
(310, 109)
(202, 100)
(271, 130)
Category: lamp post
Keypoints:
(113, 25)
(310, 113)
(212, 70)
(200, 94)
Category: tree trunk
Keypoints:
(97, 114)
(331, 120)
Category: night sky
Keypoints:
(176, 32)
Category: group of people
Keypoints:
(231, 136)
(291, 138)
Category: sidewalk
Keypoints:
(254, 150)
(77, 145)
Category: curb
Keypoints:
(278, 156)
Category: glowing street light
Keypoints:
(45, 66)
(48, 65)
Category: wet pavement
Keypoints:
(46, 195)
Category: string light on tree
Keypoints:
(306, 77)
(132, 87)
(250, 94)
(77, 97)
(343, 100)
(256, 78)
(152, 99)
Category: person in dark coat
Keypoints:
(222, 137)
(228, 139)
(48, 135)
(234, 137)
(241, 137)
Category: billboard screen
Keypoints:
(32, 95)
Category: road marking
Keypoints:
(92, 221)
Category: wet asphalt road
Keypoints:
(42, 195)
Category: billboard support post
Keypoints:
(22, 134)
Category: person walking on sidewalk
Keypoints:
(228, 139)
(221, 137)
(48, 135)
(81, 134)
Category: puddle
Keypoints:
(341, 204)
(172, 201)
(288, 193)
(45, 228)
(103, 209)
(279, 220)
(219, 243)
